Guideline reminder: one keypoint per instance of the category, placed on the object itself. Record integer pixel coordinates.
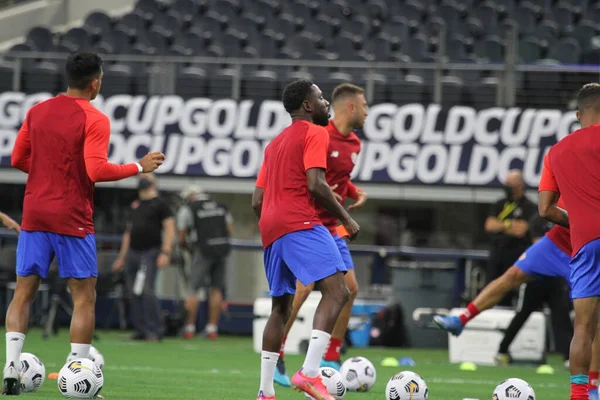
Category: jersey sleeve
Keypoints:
(353, 191)
(315, 148)
(548, 181)
(95, 152)
(21, 154)
(260, 179)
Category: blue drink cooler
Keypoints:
(361, 321)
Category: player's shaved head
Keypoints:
(588, 105)
(345, 91)
(83, 68)
(295, 94)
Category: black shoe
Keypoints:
(137, 336)
(11, 385)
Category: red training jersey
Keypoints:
(342, 154)
(559, 235)
(287, 205)
(573, 165)
(63, 147)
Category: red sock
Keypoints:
(282, 347)
(470, 313)
(593, 380)
(579, 391)
(333, 351)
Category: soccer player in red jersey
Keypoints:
(350, 111)
(573, 166)
(297, 246)
(63, 147)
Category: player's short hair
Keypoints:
(81, 68)
(344, 90)
(295, 93)
(589, 97)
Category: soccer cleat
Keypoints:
(311, 386)
(261, 396)
(336, 364)
(11, 385)
(281, 377)
(502, 359)
(213, 335)
(593, 394)
(189, 335)
(449, 324)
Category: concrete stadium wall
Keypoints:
(16, 21)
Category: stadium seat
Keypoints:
(77, 38)
(42, 77)
(220, 84)
(7, 73)
(452, 90)
(98, 23)
(118, 79)
(40, 38)
(411, 89)
(261, 85)
(132, 24)
(526, 18)
(584, 32)
(567, 51)
(490, 49)
(530, 50)
(184, 10)
(191, 82)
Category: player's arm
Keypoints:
(493, 224)
(9, 223)
(357, 194)
(548, 198)
(229, 222)
(120, 261)
(184, 223)
(95, 153)
(21, 154)
(259, 191)
(315, 163)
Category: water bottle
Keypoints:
(140, 279)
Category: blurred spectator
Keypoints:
(508, 227)
(205, 227)
(147, 245)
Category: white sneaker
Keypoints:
(11, 385)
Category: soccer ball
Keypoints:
(96, 357)
(80, 379)
(359, 374)
(334, 383)
(33, 373)
(406, 385)
(514, 389)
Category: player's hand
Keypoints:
(362, 199)
(336, 195)
(352, 228)
(151, 161)
(11, 224)
(519, 228)
(118, 265)
(163, 260)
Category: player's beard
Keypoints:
(321, 119)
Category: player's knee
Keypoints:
(353, 290)
(344, 294)
(513, 278)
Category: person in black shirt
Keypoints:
(146, 246)
(508, 226)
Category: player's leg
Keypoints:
(198, 273)
(585, 290)
(559, 300)
(302, 293)
(133, 262)
(281, 285)
(531, 297)
(594, 368)
(77, 262)
(490, 296)
(153, 322)
(313, 256)
(215, 297)
(34, 255)
(332, 355)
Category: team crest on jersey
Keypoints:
(335, 154)
(354, 157)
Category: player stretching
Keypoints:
(572, 165)
(350, 109)
(296, 245)
(63, 147)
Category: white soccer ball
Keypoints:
(32, 371)
(359, 374)
(80, 379)
(406, 385)
(334, 383)
(96, 357)
(514, 389)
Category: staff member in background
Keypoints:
(553, 291)
(147, 244)
(508, 227)
(204, 227)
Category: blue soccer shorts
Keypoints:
(545, 259)
(307, 255)
(344, 251)
(76, 256)
(585, 271)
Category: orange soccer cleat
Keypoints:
(311, 386)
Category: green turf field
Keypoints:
(228, 369)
